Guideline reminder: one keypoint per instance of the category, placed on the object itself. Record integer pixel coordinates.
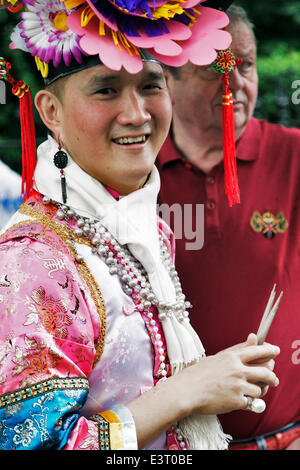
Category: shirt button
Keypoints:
(210, 204)
(188, 165)
(210, 179)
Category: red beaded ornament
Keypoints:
(224, 64)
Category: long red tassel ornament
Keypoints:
(22, 91)
(224, 64)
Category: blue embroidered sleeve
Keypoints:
(43, 415)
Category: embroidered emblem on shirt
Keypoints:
(268, 224)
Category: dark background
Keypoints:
(277, 26)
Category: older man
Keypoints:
(249, 247)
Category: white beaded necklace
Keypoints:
(132, 275)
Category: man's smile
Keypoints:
(129, 140)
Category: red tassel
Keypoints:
(225, 63)
(22, 91)
(231, 180)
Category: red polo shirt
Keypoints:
(247, 248)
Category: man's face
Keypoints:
(198, 93)
(114, 123)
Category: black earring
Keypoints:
(60, 160)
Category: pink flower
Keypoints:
(110, 55)
(207, 37)
(173, 42)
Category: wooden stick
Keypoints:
(268, 317)
(257, 405)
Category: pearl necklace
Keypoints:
(133, 277)
(121, 262)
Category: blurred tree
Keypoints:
(275, 22)
(277, 29)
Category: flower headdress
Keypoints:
(119, 31)
(65, 36)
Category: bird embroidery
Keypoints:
(268, 224)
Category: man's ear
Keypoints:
(170, 84)
(50, 110)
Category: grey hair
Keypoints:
(237, 13)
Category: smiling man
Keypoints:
(112, 123)
(248, 247)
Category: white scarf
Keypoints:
(133, 222)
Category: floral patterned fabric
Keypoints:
(71, 355)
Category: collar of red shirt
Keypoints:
(246, 146)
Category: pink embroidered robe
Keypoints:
(74, 350)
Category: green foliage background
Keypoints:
(277, 27)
